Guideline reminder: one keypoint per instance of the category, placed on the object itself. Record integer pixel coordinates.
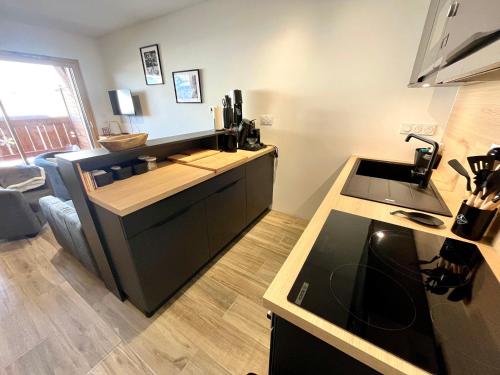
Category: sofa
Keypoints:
(67, 228)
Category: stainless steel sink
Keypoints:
(392, 183)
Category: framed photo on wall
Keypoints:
(151, 64)
(187, 86)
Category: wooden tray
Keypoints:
(123, 142)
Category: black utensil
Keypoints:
(459, 168)
(478, 163)
(491, 185)
(479, 180)
(462, 292)
(420, 218)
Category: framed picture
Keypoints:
(151, 64)
(187, 86)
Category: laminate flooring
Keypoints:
(57, 318)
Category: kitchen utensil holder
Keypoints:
(122, 173)
(140, 167)
(103, 179)
(471, 222)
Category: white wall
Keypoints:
(333, 73)
(20, 37)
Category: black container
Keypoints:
(122, 173)
(471, 222)
(230, 141)
(140, 167)
(103, 179)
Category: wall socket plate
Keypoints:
(266, 120)
(422, 129)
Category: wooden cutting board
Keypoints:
(192, 155)
(220, 162)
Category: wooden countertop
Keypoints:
(275, 298)
(136, 192)
(126, 196)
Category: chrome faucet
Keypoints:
(423, 174)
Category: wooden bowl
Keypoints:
(123, 142)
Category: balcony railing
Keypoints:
(36, 136)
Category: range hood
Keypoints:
(477, 60)
(460, 43)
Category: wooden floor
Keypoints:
(56, 318)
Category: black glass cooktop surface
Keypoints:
(430, 300)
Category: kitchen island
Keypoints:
(275, 298)
(150, 233)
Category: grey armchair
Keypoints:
(20, 213)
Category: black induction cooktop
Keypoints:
(429, 300)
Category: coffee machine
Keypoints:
(249, 136)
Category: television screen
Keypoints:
(122, 102)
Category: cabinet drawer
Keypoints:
(147, 217)
(226, 212)
(169, 253)
(259, 186)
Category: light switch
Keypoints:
(266, 120)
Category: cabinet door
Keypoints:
(259, 181)
(226, 214)
(296, 352)
(169, 253)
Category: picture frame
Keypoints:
(151, 64)
(187, 86)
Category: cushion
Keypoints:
(22, 177)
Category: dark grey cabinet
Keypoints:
(156, 250)
(227, 208)
(259, 186)
(167, 254)
(295, 351)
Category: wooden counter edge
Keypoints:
(178, 189)
(151, 200)
(275, 297)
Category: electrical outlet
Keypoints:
(266, 120)
(429, 130)
(422, 129)
(405, 128)
(417, 129)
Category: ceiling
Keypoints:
(88, 17)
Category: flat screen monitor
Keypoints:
(122, 102)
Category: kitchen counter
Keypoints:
(275, 298)
(127, 196)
